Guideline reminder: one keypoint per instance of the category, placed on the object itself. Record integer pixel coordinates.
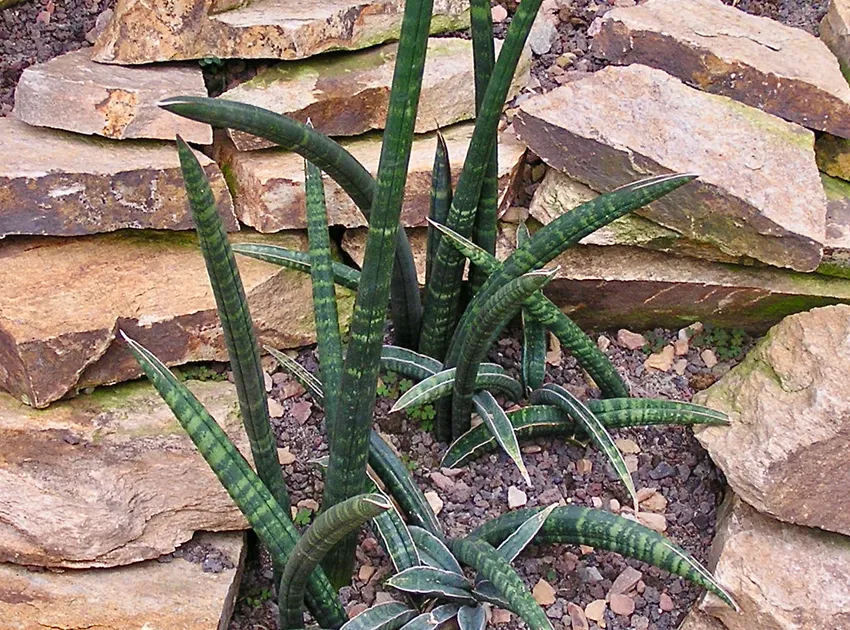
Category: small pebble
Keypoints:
(595, 610)
(630, 340)
(622, 604)
(516, 498)
(665, 602)
(708, 357)
(578, 620)
(543, 593)
(434, 501)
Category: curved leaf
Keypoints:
(559, 397)
(479, 555)
(497, 422)
(387, 616)
(554, 238)
(495, 315)
(513, 545)
(263, 513)
(344, 275)
(396, 477)
(596, 528)
(397, 540)
(433, 582)
(301, 374)
(409, 363)
(540, 308)
(614, 413)
(437, 549)
(471, 618)
(490, 377)
(328, 529)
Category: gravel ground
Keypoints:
(669, 460)
(37, 30)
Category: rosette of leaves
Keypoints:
(439, 346)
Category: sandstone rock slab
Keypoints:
(630, 287)
(758, 194)
(175, 595)
(269, 184)
(720, 49)
(784, 577)
(558, 193)
(347, 95)
(144, 32)
(110, 478)
(73, 93)
(835, 31)
(785, 450)
(836, 250)
(63, 300)
(64, 184)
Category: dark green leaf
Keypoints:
(595, 528)
(236, 323)
(265, 515)
(479, 555)
(388, 616)
(328, 529)
(557, 396)
(344, 275)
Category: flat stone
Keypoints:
(720, 49)
(783, 577)
(347, 95)
(698, 620)
(558, 194)
(758, 194)
(622, 604)
(64, 184)
(269, 184)
(73, 93)
(836, 250)
(110, 478)
(611, 287)
(144, 32)
(63, 301)
(789, 410)
(173, 595)
(626, 581)
(835, 31)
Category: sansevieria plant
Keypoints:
(437, 343)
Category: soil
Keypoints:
(670, 459)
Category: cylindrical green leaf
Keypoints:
(236, 323)
(349, 448)
(596, 528)
(443, 292)
(329, 341)
(263, 513)
(479, 555)
(495, 315)
(328, 529)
